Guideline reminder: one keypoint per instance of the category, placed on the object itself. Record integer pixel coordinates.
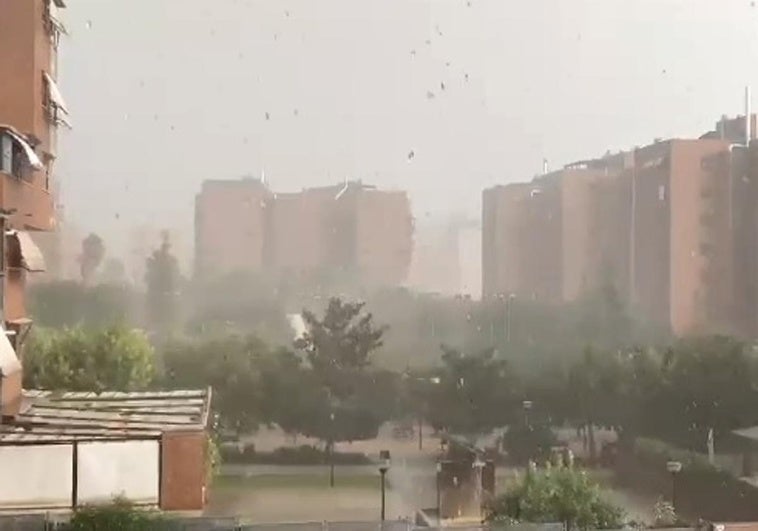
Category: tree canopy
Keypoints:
(76, 359)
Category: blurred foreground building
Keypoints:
(671, 225)
(352, 230)
(31, 112)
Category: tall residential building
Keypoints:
(559, 236)
(351, 232)
(504, 213)
(682, 273)
(230, 226)
(31, 110)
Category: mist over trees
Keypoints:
(460, 365)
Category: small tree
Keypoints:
(339, 347)
(162, 278)
(76, 359)
(93, 252)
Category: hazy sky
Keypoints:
(167, 93)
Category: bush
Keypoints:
(120, 515)
(563, 494)
(286, 455)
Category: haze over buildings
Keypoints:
(346, 95)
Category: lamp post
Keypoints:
(527, 405)
(673, 467)
(508, 304)
(478, 465)
(439, 507)
(331, 450)
(384, 466)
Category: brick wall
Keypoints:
(183, 471)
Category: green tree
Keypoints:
(77, 359)
(162, 278)
(472, 394)
(93, 252)
(230, 365)
(338, 347)
(707, 383)
(561, 494)
(67, 303)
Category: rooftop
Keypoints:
(54, 417)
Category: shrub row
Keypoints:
(285, 455)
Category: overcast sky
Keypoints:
(167, 93)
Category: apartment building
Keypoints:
(682, 242)
(230, 226)
(503, 226)
(31, 111)
(560, 235)
(350, 230)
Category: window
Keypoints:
(54, 103)
(661, 192)
(17, 156)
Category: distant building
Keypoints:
(230, 226)
(681, 261)
(672, 226)
(350, 230)
(557, 237)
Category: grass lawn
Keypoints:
(294, 481)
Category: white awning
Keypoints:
(31, 257)
(55, 17)
(9, 363)
(31, 156)
(55, 95)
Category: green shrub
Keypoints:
(120, 515)
(557, 495)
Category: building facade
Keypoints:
(31, 111)
(671, 225)
(351, 230)
(230, 226)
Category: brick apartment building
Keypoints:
(672, 225)
(349, 229)
(558, 236)
(31, 111)
(229, 226)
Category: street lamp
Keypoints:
(439, 508)
(508, 304)
(478, 465)
(527, 405)
(673, 467)
(384, 466)
(331, 450)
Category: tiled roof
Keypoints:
(48, 416)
